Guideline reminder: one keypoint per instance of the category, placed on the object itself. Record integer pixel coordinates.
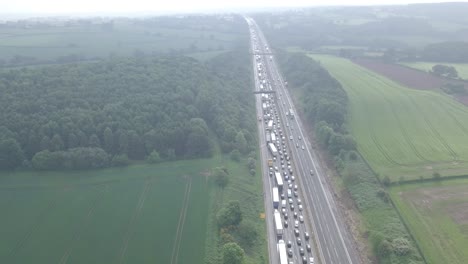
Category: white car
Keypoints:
(296, 224)
(302, 146)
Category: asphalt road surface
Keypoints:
(321, 217)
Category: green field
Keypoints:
(462, 68)
(402, 133)
(437, 214)
(138, 214)
(125, 38)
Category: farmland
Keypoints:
(437, 214)
(138, 214)
(461, 68)
(58, 41)
(402, 133)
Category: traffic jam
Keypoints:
(292, 236)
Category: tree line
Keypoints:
(91, 115)
(324, 101)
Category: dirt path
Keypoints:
(180, 225)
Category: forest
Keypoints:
(98, 114)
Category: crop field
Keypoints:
(138, 214)
(462, 68)
(437, 214)
(49, 43)
(402, 133)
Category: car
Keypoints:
(285, 173)
(297, 145)
(289, 163)
(296, 232)
(306, 235)
(282, 196)
(290, 187)
(311, 172)
(290, 137)
(296, 224)
(295, 188)
(282, 167)
(311, 259)
(293, 178)
(301, 251)
(286, 224)
(276, 168)
(304, 260)
(289, 244)
(309, 249)
(295, 214)
(296, 194)
(290, 200)
(300, 207)
(302, 146)
(299, 241)
(290, 253)
(271, 173)
(285, 215)
(282, 162)
(286, 177)
(283, 210)
(292, 207)
(301, 219)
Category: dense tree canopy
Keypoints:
(176, 106)
(233, 254)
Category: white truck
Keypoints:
(282, 252)
(273, 149)
(275, 197)
(278, 224)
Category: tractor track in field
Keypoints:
(133, 219)
(180, 225)
(84, 223)
(374, 137)
(375, 140)
(39, 220)
(431, 127)
(400, 125)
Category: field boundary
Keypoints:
(133, 219)
(180, 225)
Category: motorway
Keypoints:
(333, 243)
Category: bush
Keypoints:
(235, 155)
(247, 233)
(231, 215)
(120, 160)
(401, 246)
(154, 157)
(221, 177)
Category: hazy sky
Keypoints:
(129, 6)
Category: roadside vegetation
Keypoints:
(312, 86)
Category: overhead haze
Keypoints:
(172, 6)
